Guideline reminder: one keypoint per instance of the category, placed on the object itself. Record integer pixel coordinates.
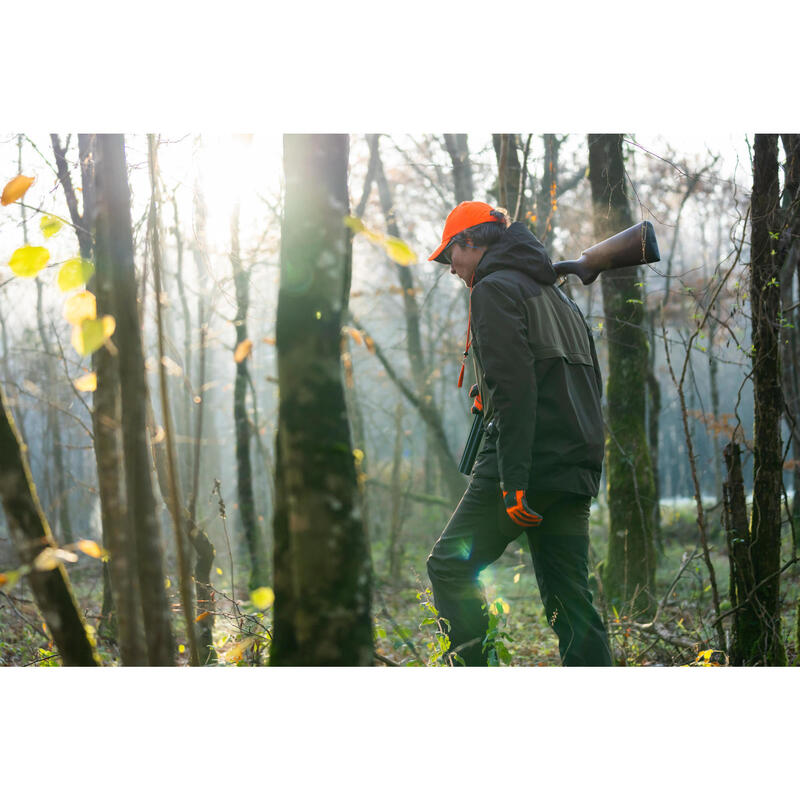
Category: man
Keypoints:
(539, 385)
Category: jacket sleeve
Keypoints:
(500, 331)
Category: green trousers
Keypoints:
(478, 533)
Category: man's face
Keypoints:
(464, 260)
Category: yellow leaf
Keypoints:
(86, 383)
(370, 343)
(237, 651)
(167, 583)
(50, 225)
(90, 548)
(242, 351)
(219, 571)
(46, 560)
(79, 307)
(51, 557)
(516, 578)
(181, 648)
(74, 273)
(358, 455)
(262, 598)
(172, 367)
(161, 434)
(9, 579)
(355, 224)
(92, 334)
(399, 251)
(15, 189)
(28, 261)
(202, 616)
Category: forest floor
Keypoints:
(406, 629)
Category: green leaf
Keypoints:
(74, 273)
(29, 261)
(399, 251)
(50, 225)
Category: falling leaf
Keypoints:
(202, 616)
(355, 224)
(79, 307)
(51, 557)
(268, 340)
(242, 351)
(167, 583)
(74, 273)
(516, 578)
(219, 571)
(159, 436)
(15, 189)
(28, 261)
(262, 598)
(237, 651)
(181, 648)
(92, 333)
(50, 225)
(358, 455)
(399, 251)
(86, 383)
(370, 343)
(90, 548)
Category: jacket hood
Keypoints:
(518, 249)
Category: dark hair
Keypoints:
(484, 234)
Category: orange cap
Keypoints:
(463, 216)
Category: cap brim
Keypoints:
(434, 256)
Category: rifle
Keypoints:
(630, 248)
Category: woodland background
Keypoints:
(681, 563)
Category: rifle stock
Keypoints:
(630, 248)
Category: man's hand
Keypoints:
(518, 509)
(477, 406)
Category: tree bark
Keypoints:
(458, 150)
(508, 172)
(31, 534)
(114, 243)
(765, 541)
(320, 543)
(629, 574)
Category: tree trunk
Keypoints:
(508, 172)
(320, 543)
(629, 573)
(244, 471)
(458, 149)
(114, 243)
(395, 514)
(30, 534)
(765, 542)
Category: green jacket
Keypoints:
(537, 373)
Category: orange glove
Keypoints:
(518, 509)
(477, 406)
